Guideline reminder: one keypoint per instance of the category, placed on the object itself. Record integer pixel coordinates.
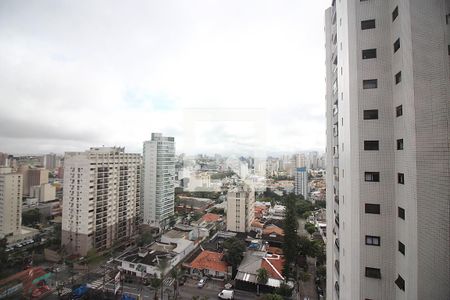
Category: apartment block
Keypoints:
(388, 158)
(10, 202)
(301, 182)
(101, 198)
(158, 180)
(240, 208)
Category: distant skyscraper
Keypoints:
(301, 182)
(10, 202)
(158, 180)
(101, 198)
(388, 182)
(240, 208)
(300, 160)
(50, 161)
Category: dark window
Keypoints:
(448, 50)
(401, 247)
(370, 84)
(373, 272)
(401, 178)
(372, 176)
(396, 45)
(401, 213)
(371, 114)
(372, 240)
(395, 14)
(400, 144)
(369, 53)
(372, 208)
(400, 282)
(399, 111)
(371, 145)
(368, 24)
(398, 77)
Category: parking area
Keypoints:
(210, 290)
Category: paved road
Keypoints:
(210, 290)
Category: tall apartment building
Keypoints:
(10, 202)
(388, 119)
(158, 180)
(32, 177)
(240, 208)
(301, 182)
(101, 198)
(49, 161)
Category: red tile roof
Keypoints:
(210, 217)
(274, 266)
(210, 260)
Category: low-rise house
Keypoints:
(210, 263)
(274, 235)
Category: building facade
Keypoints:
(240, 208)
(158, 180)
(301, 182)
(101, 198)
(10, 202)
(49, 161)
(388, 116)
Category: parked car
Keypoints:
(202, 282)
(226, 294)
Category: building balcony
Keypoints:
(336, 265)
(336, 288)
(336, 220)
(336, 243)
(336, 199)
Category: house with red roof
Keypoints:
(210, 263)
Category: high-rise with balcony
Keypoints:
(101, 198)
(158, 180)
(240, 208)
(10, 202)
(388, 116)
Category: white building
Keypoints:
(10, 202)
(158, 180)
(301, 182)
(101, 198)
(49, 161)
(240, 208)
(388, 160)
(44, 193)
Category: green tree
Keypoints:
(262, 277)
(234, 249)
(145, 238)
(156, 284)
(310, 227)
(31, 217)
(284, 290)
(321, 272)
(163, 265)
(290, 236)
(176, 274)
(271, 297)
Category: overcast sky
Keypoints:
(220, 76)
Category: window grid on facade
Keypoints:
(401, 213)
(373, 272)
(368, 24)
(369, 53)
(399, 111)
(401, 178)
(400, 144)
(400, 282)
(396, 45)
(370, 208)
(370, 114)
(370, 84)
(398, 77)
(401, 247)
(395, 14)
(371, 145)
(372, 240)
(372, 176)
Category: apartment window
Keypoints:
(372, 208)
(370, 84)
(401, 178)
(395, 14)
(398, 77)
(372, 240)
(400, 282)
(401, 213)
(396, 45)
(369, 53)
(371, 145)
(370, 114)
(401, 247)
(372, 176)
(400, 144)
(448, 49)
(373, 272)
(399, 111)
(368, 24)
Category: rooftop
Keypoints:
(210, 260)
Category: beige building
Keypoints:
(10, 202)
(44, 193)
(240, 208)
(32, 177)
(101, 198)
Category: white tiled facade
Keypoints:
(240, 208)
(301, 182)
(101, 198)
(158, 180)
(10, 202)
(388, 183)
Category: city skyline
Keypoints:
(95, 84)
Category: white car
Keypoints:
(226, 294)
(202, 282)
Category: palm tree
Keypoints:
(156, 283)
(262, 277)
(163, 264)
(176, 274)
